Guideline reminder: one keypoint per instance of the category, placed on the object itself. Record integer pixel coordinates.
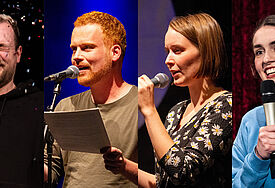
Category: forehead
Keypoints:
(87, 33)
(264, 35)
(173, 37)
(6, 33)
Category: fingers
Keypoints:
(104, 150)
(113, 154)
(267, 132)
(113, 160)
(266, 141)
(145, 95)
(114, 170)
(114, 166)
(145, 82)
(117, 163)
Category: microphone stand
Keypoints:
(48, 136)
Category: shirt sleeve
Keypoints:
(247, 169)
(211, 137)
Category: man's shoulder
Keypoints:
(78, 96)
(71, 103)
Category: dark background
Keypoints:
(221, 11)
(29, 15)
(237, 20)
(59, 19)
(246, 88)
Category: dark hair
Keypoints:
(268, 21)
(204, 32)
(7, 19)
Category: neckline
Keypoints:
(116, 101)
(178, 127)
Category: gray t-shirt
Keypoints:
(121, 122)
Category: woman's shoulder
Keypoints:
(225, 96)
(182, 104)
(224, 99)
(255, 116)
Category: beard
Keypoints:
(6, 74)
(91, 78)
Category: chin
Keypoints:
(179, 84)
(84, 82)
(87, 81)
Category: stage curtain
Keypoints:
(246, 92)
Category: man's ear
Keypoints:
(18, 54)
(115, 52)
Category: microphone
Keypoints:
(71, 72)
(161, 80)
(268, 99)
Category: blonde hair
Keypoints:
(112, 28)
(205, 33)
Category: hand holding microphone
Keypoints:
(268, 99)
(266, 139)
(146, 91)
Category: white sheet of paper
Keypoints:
(81, 130)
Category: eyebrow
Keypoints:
(84, 44)
(259, 45)
(174, 46)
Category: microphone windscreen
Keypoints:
(268, 91)
(74, 71)
(161, 80)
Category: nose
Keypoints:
(77, 56)
(169, 60)
(269, 56)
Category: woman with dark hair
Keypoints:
(255, 140)
(192, 148)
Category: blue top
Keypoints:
(247, 169)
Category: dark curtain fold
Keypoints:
(245, 87)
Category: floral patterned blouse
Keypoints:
(201, 154)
